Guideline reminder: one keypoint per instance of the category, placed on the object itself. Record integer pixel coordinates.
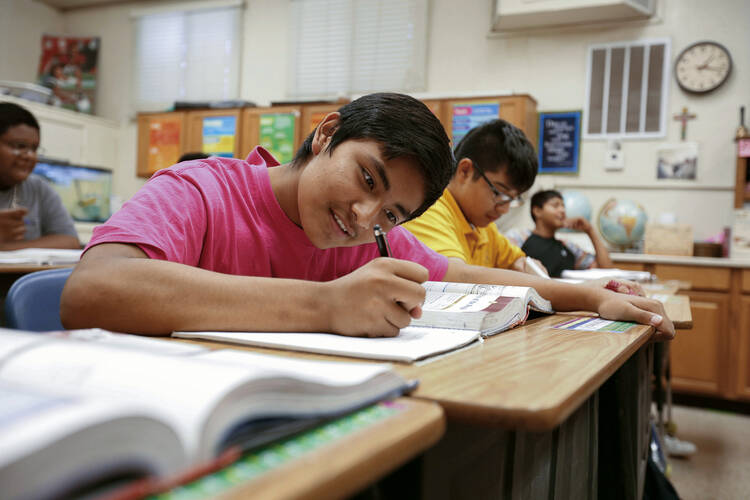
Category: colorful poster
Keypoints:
(163, 143)
(466, 116)
(68, 66)
(277, 135)
(559, 142)
(219, 135)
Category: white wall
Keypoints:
(551, 67)
(22, 24)
(464, 56)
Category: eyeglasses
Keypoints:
(500, 197)
(20, 148)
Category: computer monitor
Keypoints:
(85, 191)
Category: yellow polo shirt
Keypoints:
(444, 228)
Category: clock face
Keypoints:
(702, 67)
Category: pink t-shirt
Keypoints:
(221, 214)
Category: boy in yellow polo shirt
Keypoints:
(495, 165)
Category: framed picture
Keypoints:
(677, 161)
(559, 142)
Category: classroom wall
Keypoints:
(22, 24)
(464, 56)
(551, 66)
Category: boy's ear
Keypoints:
(324, 131)
(464, 170)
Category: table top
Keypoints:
(680, 260)
(531, 377)
(677, 308)
(343, 467)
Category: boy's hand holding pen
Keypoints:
(379, 298)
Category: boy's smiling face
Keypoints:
(341, 196)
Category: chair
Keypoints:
(33, 301)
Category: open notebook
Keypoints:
(454, 315)
(111, 408)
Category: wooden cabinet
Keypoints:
(697, 355)
(216, 132)
(743, 371)
(520, 110)
(161, 141)
(631, 266)
(164, 137)
(713, 357)
(275, 128)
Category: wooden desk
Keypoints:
(344, 467)
(677, 308)
(523, 413)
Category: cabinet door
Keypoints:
(217, 132)
(161, 141)
(630, 266)
(743, 372)
(697, 355)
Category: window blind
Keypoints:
(344, 47)
(187, 55)
(626, 90)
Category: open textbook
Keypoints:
(41, 256)
(76, 413)
(453, 316)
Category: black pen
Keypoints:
(383, 248)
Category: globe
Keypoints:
(576, 205)
(622, 222)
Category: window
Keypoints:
(344, 47)
(626, 92)
(191, 54)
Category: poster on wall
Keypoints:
(559, 142)
(218, 135)
(163, 143)
(68, 66)
(277, 135)
(677, 161)
(466, 116)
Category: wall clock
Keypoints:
(702, 67)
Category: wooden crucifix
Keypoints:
(683, 117)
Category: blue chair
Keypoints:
(33, 301)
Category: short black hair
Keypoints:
(542, 197)
(12, 114)
(404, 127)
(197, 155)
(498, 144)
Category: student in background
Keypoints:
(196, 155)
(548, 213)
(495, 165)
(31, 212)
(229, 244)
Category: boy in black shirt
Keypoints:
(548, 212)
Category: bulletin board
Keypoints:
(559, 142)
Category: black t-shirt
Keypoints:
(555, 256)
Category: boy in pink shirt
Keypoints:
(223, 244)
